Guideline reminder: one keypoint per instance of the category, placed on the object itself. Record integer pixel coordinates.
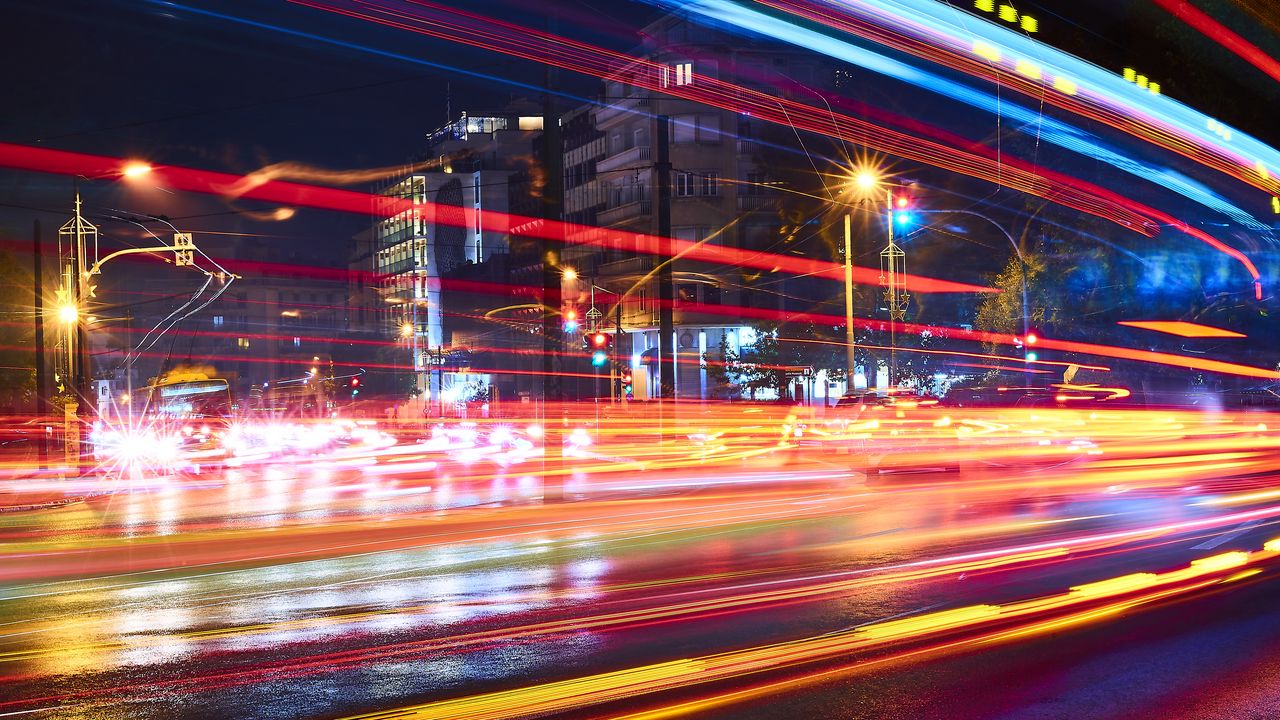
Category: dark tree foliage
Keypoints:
(17, 336)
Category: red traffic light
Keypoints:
(902, 202)
(599, 340)
(355, 382)
(1031, 338)
(626, 378)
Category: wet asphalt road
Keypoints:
(446, 609)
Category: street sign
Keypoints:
(183, 249)
(70, 434)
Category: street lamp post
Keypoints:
(1022, 260)
(617, 335)
(865, 181)
(849, 336)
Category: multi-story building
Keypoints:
(429, 226)
(273, 324)
(722, 192)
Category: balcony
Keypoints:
(747, 203)
(624, 212)
(616, 108)
(636, 156)
(748, 147)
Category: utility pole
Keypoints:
(849, 338)
(893, 268)
(552, 210)
(617, 349)
(42, 382)
(74, 238)
(552, 276)
(666, 291)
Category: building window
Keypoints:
(709, 184)
(682, 184)
(757, 184)
(679, 74)
(243, 343)
(297, 342)
(218, 320)
(703, 129)
(689, 184)
(711, 294)
(686, 293)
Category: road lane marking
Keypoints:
(1215, 541)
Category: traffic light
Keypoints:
(1031, 338)
(625, 379)
(355, 382)
(599, 343)
(570, 321)
(901, 204)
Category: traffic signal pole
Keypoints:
(666, 291)
(42, 382)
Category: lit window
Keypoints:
(682, 73)
(217, 320)
(243, 343)
(297, 342)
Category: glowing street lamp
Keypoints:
(68, 314)
(135, 169)
(866, 180)
(406, 330)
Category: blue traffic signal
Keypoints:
(599, 358)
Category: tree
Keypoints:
(776, 354)
(17, 336)
(1001, 312)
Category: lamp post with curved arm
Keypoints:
(1026, 327)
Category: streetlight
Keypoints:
(68, 314)
(865, 181)
(134, 169)
(1029, 337)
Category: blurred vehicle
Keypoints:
(873, 427)
(1266, 396)
(1056, 395)
(887, 397)
(294, 401)
(188, 405)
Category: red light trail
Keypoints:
(527, 43)
(217, 183)
(1225, 37)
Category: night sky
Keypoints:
(177, 84)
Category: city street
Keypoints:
(248, 592)
(640, 360)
